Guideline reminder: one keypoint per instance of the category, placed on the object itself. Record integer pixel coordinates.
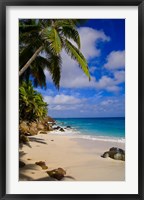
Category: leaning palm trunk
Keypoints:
(30, 60)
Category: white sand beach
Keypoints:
(81, 158)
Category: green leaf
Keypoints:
(31, 104)
(71, 33)
(51, 37)
(77, 55)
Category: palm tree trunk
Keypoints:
(30, 61)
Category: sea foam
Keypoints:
(77, 134)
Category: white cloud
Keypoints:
(108, 102)
(119, 76)
(57, 107)
(115, 60)
(111, 84)
(64, 102)
(46, 91)
(73, 77)
(113, 105)
(104, 82)
(70, 68)
(105, 106)
(65, 107)
(113, 88)
(62, 99)
(77, 80)
(89, 37)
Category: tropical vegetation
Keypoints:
(40, 47)
(41, 42)
(31, 103)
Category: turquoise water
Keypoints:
(103, 127)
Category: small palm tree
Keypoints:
(31, 104)
(41, 42)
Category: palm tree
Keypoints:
(31, 104)
(41, 42)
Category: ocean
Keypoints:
(112, 129)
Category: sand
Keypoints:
(81, 158)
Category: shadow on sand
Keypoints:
(39, 140)
(34, 167)
(28, 178)
(32, 139)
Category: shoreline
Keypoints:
(81, 158)
(78, 135)
(89, 130)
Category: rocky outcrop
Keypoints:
(57, 173)
(41, 126)
(33, 128)
(56, 128)
(43, 132)
(50, 119)
(42, 164)
(24, 127)
(62, 130)
(115, 153)
(117, 150)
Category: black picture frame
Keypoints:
(3, 128)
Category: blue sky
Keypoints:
(103, 45)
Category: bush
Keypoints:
(31, 103)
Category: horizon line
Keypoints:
(86, 117)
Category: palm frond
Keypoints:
(71, 33)
(52, 39)
(47, 37)
(37, 71)
(66, 22)
(39, 78)
(78, 56)
(55, 69)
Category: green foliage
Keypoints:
(77, 55)
(53, 35)
(31, 104)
